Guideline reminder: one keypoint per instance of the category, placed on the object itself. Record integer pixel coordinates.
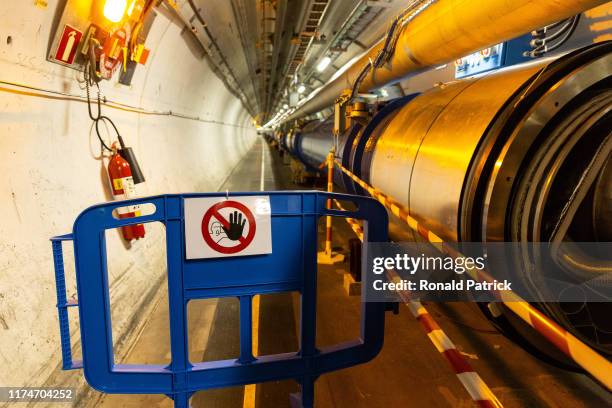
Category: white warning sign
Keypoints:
(234, 226)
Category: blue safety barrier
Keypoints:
(292, 266)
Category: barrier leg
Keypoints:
(181, 400)
(328, 257)
(305, 398)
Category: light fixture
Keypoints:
(285, 106)
(301, 89)
(114, 10)
(324, 63)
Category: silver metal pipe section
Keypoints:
(312, 143)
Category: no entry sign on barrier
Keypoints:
(218, 227)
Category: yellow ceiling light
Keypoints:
(114, 10)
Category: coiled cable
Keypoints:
(386, 52)
(92, 78)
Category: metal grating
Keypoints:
(309, 32)
(362, 16)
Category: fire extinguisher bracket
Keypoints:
(128, 154)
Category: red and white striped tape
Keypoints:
(355, 225)
(471, 381)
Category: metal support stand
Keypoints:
(181, 400)
(304, 398)
(328, 257)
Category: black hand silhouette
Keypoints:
(236, 226)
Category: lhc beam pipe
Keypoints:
(441, 33)
(312, 143)
(442, 154)
(428, 145)
(496, 158)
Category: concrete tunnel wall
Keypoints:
(51, 170)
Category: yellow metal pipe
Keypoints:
(443, 32)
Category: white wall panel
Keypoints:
(51, 171)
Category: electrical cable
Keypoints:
(92, 78)
(544, 42)
(393, 34)
(64, 96)
(565, 37)
(544, 48)
(239, 91)
(541, 40)
(542, 31)
(197, 13)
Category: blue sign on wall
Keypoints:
(481, 61)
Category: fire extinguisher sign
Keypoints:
(68, 44)
(217, 227)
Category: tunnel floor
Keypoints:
(409, 372)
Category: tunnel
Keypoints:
(256, 191)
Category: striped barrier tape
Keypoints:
(587, 358)
(471, 381)
(475, 386)
(355, 225)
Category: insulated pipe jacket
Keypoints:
(444, 31)
(495, 158)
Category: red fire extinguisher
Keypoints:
(122, 184)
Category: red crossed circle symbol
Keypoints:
(214, 212)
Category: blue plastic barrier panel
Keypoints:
(285, 261)
(218, 227)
